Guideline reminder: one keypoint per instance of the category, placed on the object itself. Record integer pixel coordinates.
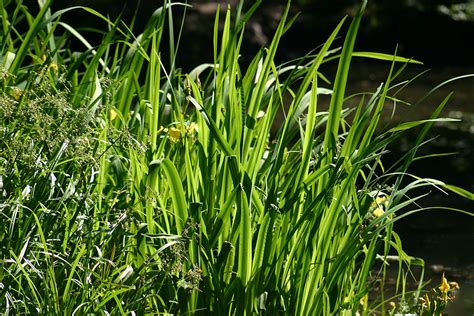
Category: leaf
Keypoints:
(387, 57)
(8, 59)
(26, 43)
(177, 193)
(194, 74)
(212, 127)
(408, 125)
(459, 191)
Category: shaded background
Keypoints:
(438, 32)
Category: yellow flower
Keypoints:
(54, 67)
(192, 128)
(381, 200)
(174, 134)
(51, 66)
(392, 305)
(444, 287)
(112, 115)
(17, 93)
(379, 205)
(378, 212)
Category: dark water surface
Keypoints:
(444, 239)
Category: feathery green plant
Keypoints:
(129, 186)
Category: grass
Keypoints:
(132, 186)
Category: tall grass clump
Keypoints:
(129, 185)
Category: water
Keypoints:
(445, 240)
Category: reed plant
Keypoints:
(129, 185)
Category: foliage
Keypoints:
(459, 11)
(129, 186)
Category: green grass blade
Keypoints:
(32, 32)
(177, 193)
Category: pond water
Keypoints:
(445, 240)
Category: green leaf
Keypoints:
(408, 125)
(178, 197)
(213, 127)
(460, 191)
(32, 32)
(387, 57)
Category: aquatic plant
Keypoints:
(128, 185)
